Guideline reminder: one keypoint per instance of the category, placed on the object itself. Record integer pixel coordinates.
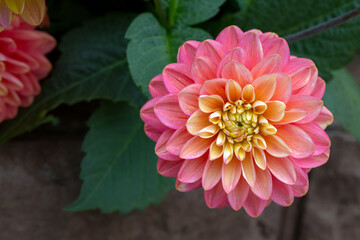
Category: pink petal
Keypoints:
(263, 184)
(231, 173)
(186, 187)
(301, 70)
(168, 111)
(16, 67)
(214, 87)
(187, 52)
(248, 170)
(177, 141)
(7, 45)
(237, 54)
(215, 196)
(310, 104)
(319, 89)
(188, 98)
(268, 65)
(192, 170)
(318, 136)
(160, 147)
(310, 86)
(203, 69)
(292, 115)
(212, 173)
(302, 145)
(312, 161)
(157, 87)
(238, 196)
(230, 37)
(283, 88)
(325, 118)
(196, 147)
(276, 146)
(211, 49)
(151, 132)
(236, 71)
(252, 45)
(282, 193)
(169, 168)
(148, 115)
(253, 205)
(301, 186)
(176, 76)
(277, 46)
(282, 169)
(264, 87)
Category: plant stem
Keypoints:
(172, 12)
(161, 13)
(322, 26)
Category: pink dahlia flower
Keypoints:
(22, 65)
(241, 118)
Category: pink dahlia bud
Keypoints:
(241, 118)
(22, 65)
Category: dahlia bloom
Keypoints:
(31, 11)
(241, 118)
(22, 65)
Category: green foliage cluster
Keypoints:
(110, 55)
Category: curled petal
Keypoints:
(248, 94)
(215, 151)
(260, 158)
(231, 173)
(275, 111)
(210, 103)
(325, 118)
(34, 11)
(233, 91)
(197, 121)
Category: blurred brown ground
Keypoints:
(39, 177)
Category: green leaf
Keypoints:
(93, 65)
(191, 12)
(119, 169)
(342, 97)
(330, 50)
(151, 47)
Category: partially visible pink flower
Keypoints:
(31, 11)
(22, 65)
(241, 118)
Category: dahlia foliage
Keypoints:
(22, 65)
(241, 118)
(31, 11)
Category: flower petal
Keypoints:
(214, 87)
(151, 132)
(276, 146)
(34, 11)
(17, 6)
(238, 196)
(264, 87)
(292, 115)
(270, 64)
(310, 104)
(197, 121)
(160, 147)
(283, 88)
(211, 49)
(215, 196)
(248, 94)
(231, 173)
(259, 158)
(176, 76)
(147, 114)
(168, 111)
(188, 98)
(186, 187)
(230, 37)
(177, 140)
(301, 146)
(282, 193)
(252, 45)
(5, 15)
(157, 87)
(237, 55)
(248, 170)
(233, 91)
(192, 170)
(187, 52)
(263, 185)
(282, 169)
(253, 205)
(325, 118)
(319, 89)
(195, 147)
(215, 151)
(319, 137)
(312, 161)
(236, 71)
(276, 45)
(212, 174)
(168, 168)
(203, 69)
(210, 103)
